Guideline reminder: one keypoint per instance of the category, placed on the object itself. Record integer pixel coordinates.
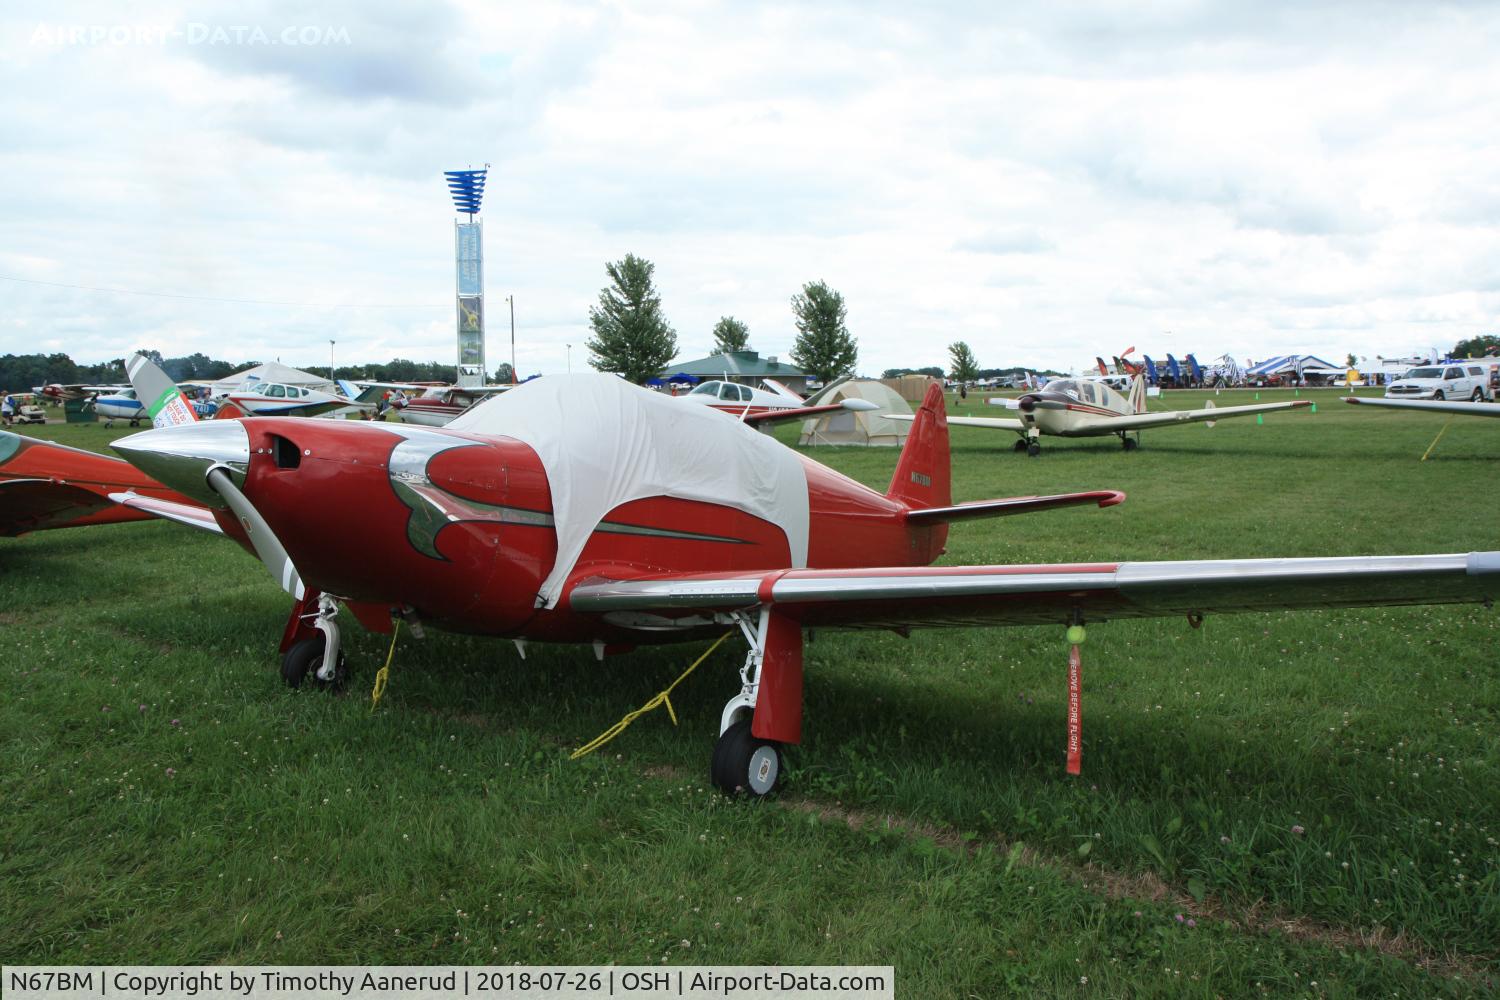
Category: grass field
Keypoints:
(1270, 805)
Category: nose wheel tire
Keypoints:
(1033, 449)
(302, 662)
(743, 763)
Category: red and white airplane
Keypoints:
(582, 509)
(775, 403)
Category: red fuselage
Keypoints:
(462, 532)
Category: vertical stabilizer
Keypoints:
(922, 476)
(1138, 394)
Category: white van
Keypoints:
(1458, 382)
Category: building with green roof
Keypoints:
(744, 367)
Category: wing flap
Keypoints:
(1039, 594)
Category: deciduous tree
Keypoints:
(962, 367)
(730, 335)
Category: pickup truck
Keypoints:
(1458, 382)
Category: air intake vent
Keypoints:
(286, 454)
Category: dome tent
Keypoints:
(869, 428)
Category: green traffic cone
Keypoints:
(1260, 418)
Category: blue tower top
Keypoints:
(467, 188)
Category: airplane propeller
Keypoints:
(203, 460)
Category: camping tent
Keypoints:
(271, 371)
(859, 427)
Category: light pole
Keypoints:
(514, 377)
(570, 358)
(330, 361)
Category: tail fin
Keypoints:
(922, 476)
(1138, 394)
(1103, 368)
(160, 396)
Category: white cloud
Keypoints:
(1048, 183)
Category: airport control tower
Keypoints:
(467, 188)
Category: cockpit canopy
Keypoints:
(726, 391)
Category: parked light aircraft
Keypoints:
(583, 509)
(438, 405)
(772, 404)
(1086, 408)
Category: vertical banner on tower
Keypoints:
(469, 246)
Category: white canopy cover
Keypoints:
(604, 442)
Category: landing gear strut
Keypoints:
(767, 713)
(307, 652)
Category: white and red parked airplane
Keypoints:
(582, 509)
(1089, 408)
(772, 404)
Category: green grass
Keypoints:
(928, 822)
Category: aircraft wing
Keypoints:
(37, 504)
(910, 597)
(1431, 406)
(993, 423)
(799, 412)
(1166, 418)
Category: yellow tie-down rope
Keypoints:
(384, 673)
(661, 699)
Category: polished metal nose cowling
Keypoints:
(180, 457)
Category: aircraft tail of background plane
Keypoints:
(1138, 394)
(923, 474)
(1103, 368)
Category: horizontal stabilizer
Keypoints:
(1013, 505)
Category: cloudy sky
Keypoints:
(1047, 182)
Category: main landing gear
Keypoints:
(1129, 443)
(310, 645)
(767, 713)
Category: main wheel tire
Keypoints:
(303, 660)
(1033, 449)
(1131, 444)
(1439, 396)
(745, 763)
(1019, 445)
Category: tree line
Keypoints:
(632, 336)
(23, 372)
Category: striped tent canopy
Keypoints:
(1287, 363)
